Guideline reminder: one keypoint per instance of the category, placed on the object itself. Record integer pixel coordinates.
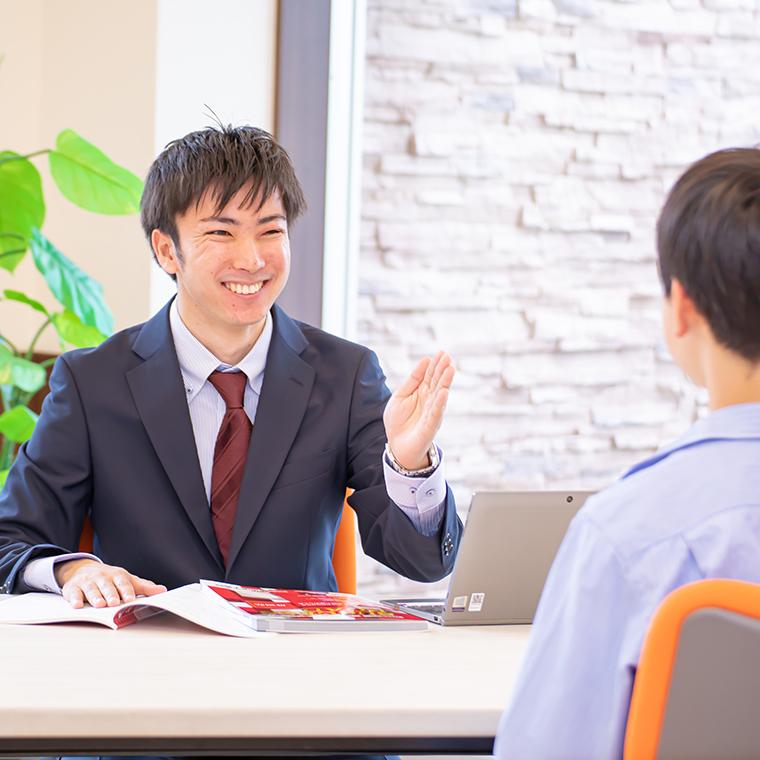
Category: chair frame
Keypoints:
(658, 657)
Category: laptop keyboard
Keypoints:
(436, 608)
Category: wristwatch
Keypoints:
(435, 460)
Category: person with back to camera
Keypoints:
(689, 512)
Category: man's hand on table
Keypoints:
(101, 585)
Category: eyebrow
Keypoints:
(221, 220)
(230, 220)
(272, 218)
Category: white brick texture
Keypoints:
(516, 154)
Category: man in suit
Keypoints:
(217, 439)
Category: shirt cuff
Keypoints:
(421, 499)
(39, 573)
(426, 523)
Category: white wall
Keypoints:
(515, 157)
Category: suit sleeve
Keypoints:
(48, 490)
(388, 535)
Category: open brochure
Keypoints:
(290, 611)
(187, 602)
(204, 605)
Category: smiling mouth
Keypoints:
(243, 290)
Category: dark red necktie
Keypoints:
(230, 454)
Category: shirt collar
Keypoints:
(730, 423)
(196, 362)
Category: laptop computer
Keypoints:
(508, 546)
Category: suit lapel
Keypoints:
(159, 395)
(285, 393)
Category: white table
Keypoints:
(164, 686)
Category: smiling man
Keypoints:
(218, 438)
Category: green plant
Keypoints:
(91, 180)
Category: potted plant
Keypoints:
(91, 180)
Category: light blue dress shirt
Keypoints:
(205, 404)
(691, 511)
(421, 499)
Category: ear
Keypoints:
(683, 312)
(166, 251)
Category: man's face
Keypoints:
(231, 264)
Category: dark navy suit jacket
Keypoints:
(115, 442)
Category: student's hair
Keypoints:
(708, 238)
(220, 161)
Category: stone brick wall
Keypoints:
(515, 158)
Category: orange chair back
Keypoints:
(658, 655)
(344, 553)
(86, 539)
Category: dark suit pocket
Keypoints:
(306, 468)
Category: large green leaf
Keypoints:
(3, 477)
(17, 295)
(28, 376)
(74, 289)
(71, 330)
(87, 177)
(17, 424)
(21, 207)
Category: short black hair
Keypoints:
(708, 238)
(220, 161)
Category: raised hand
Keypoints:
(415, 411)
